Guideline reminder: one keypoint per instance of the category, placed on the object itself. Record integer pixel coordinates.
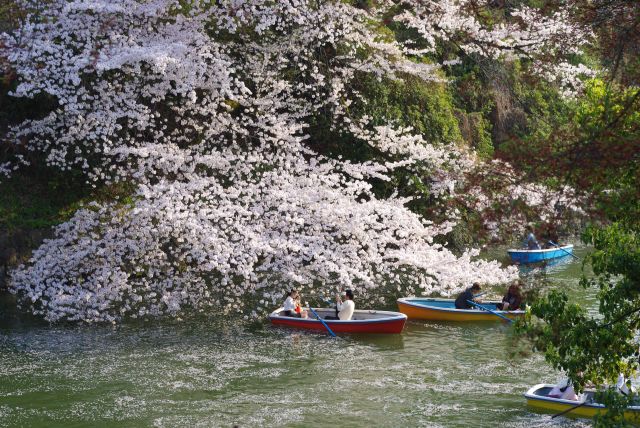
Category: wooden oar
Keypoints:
(569, 409)
(322, 321)
(560, 248)
(489, 310)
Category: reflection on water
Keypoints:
(550, 267)
(220, 372)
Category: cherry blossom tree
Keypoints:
(206, 108)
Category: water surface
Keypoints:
(213, 372)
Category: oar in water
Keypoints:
(569, 409)
(484, 308)
(322, 321)
(560, 248)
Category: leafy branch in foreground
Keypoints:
(596, 348)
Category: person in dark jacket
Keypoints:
(513, 299)
(530, 241)
(466, 295)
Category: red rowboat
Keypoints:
(363, 321)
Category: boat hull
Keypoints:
(444, 310)
(384, 322)
(538, 401)
(536, 256)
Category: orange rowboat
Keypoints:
(421, 308)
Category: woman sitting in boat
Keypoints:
(622, 386)
(513, 299)
(462, 301)
(531, 242)
(299, 311)
(563, 390)
(290, 305)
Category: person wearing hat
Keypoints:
(462, 301)
(346, 307)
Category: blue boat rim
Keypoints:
(423, 302)
(524, 250)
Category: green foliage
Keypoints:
(428, 109)
(616, 262)
(425, 107)
(472, 91)
(34, 202)
(362, 4)
(45, 197)
(596, 349)
(464, 236)
(616, 404)
(537, 109)
(608, 118)
(501, 107)
(478, 133)
(604, 103)
(10, 13)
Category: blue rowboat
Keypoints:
(534, 256)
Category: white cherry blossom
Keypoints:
(207, 110)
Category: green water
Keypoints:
(209, 372)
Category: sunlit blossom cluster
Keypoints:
(526, 32)
(198, 244)
(207, 110)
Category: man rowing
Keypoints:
(470, 294)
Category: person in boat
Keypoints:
(289, 307)
(513, 299)
(462, 301)
(345, 307)
(531, 242)
(622, 387)
(299, 311)
(563, 390)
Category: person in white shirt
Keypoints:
(570, 394)
(621, 386)
(346, 308)
(289, 307)
(564, 390)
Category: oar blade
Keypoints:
(322, 321)
(489, 310)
